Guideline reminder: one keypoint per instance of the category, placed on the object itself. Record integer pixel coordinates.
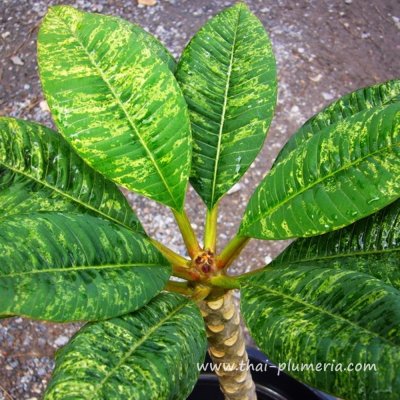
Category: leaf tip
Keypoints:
(60, 10)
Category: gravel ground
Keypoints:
(324, 49)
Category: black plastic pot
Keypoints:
(269, 385)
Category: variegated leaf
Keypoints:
(153, 44)
(339, 318)
(348, 105)
(116, 102)
(39, 171)
(68, 267)
(341, 174)
(149, 354)
(227, 74)
(371, 245)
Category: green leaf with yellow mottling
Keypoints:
(152, 353)
(340, 175)
(116, 102)
(153, 44)
(315, 314)
(69, 267)
(348, 105)
(371, 245)
(228, 76)
(39, 171)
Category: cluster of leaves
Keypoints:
(71, 248)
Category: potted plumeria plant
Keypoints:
(72, 249)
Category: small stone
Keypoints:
(36, 389)
(17, 60)
(61, 340)
(147, 2)
(44, 106)
(27, 87)
(348, 1)
(396, 21)
(267, 259)
(264, 10)
(301, 50)
(327, 96)
(295, 109)
(235, 188)
(5, 35)
(316, 78)
(198, 12)
(365, 35)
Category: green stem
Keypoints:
(185, 273)
(231, 251)
(210, 231)
(225, 282)
(170, 255)
(189, 237)
(179, 287)
(200, 293)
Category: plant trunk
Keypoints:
(227, 347)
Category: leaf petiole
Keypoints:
(170, 255)
(210, 231)
(231, 251)
(225, 282)
(179, 287)
(185, 273)
(189, 237)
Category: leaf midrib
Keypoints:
(322, 311)
(64, 194)
(144, 338)
(81, 268)
(318, 181)
(341, 255)
(224, 107)
(131, 123)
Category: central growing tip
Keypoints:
(204, 263)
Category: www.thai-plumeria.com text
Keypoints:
(288, 367)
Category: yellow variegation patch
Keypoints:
(114, 98)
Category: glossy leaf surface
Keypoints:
(69, 267)
(348, 105)
(116, 102)
(153, 44)
(315, 314)
(340, 175)
(149, 354)
(371, 245)
(39, 171)
(227, 74)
